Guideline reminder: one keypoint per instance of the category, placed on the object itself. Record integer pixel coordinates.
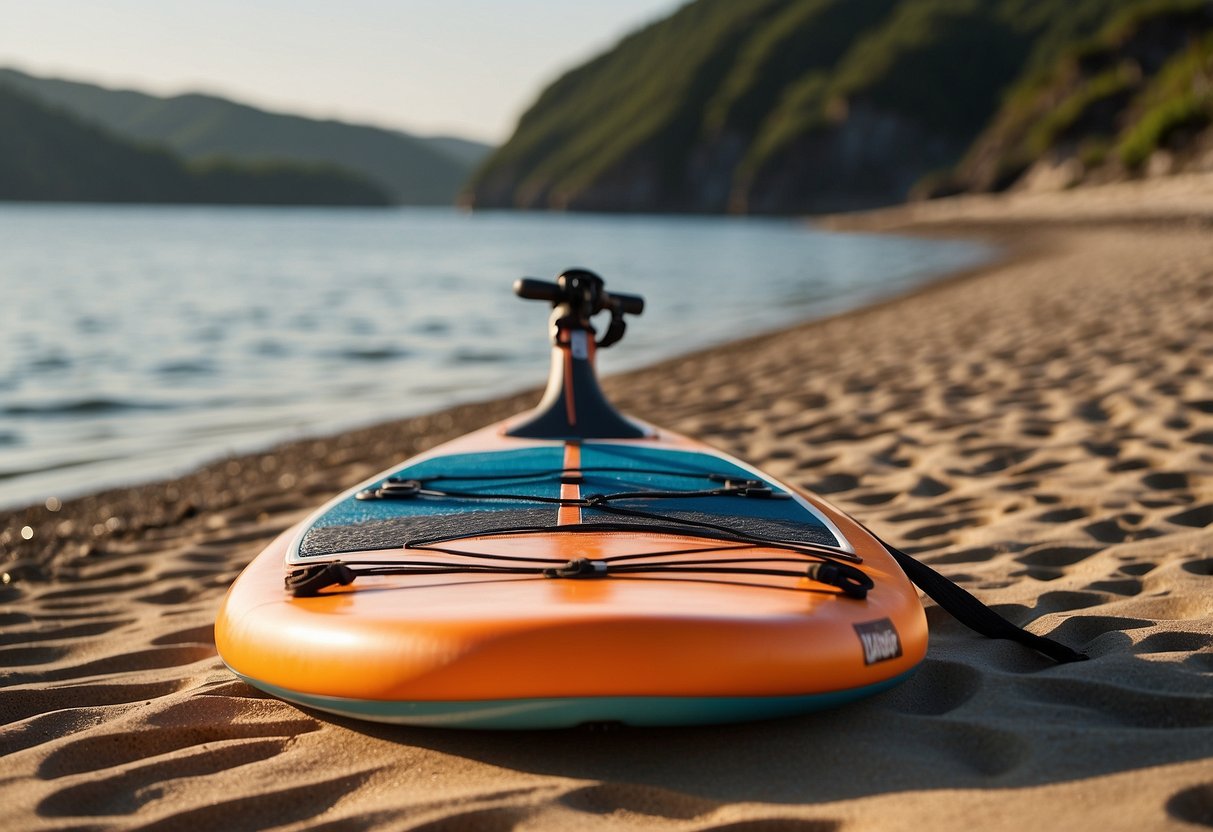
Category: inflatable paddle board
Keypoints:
(573, 565)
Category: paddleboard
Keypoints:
(573, 565)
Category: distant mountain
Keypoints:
(466, 151)
(49, 155)
(781, 105)
(412, 170)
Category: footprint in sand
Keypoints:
(776, 825)
(494, 819)
(22, 703)
(195, 722)
(1198, 517)
(1057, 557)
(1110, 704)
(133, 660)
(1062, 515)
(608, 798)
(1128, 587)
(1166, 481)
(127, 791)
(1193, 805)
(1174, 642)
(937, 687)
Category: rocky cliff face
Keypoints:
(870, 158)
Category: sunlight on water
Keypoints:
(138, 342)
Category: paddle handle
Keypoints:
(532, 289)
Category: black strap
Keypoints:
(972, 613)
(399, 488)
(614, 331)
(853, 582)
(307, 581)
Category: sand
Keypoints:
(1040, 430)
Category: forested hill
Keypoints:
(48, 155)
(413, 170)
(1136, 98)
(793, 105)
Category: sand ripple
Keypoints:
(1042, 432)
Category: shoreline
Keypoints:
(152, 409)
(173, 500)
(1039, 429)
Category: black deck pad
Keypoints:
(397, 531)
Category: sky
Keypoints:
(462, 67)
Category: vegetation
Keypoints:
(1156, 127)
(795, 105)
(1048, 130)
(49, 155)
(755, 106)
(412, 170)
(1143, 82)
(1179, 99)
(640, 103)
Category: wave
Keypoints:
(93, 406)
(475, 356)
(384, 353)
(53, 361)
(185, 368)
(62, 465)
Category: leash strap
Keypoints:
(966, 609)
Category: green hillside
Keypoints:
(48, 155)
(413, 171)
(1140, 89)
(780, 105)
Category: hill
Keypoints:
(470, 153)
(414, 171)
(1136, 97)
(780, 105)
(49, 155)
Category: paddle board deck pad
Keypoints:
(569, 566)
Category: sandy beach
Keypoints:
(1040, 430)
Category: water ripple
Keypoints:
(265, 323)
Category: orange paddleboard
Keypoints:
(571, 566)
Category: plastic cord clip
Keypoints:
(393, 488)
(579, 568)
(308, 581)
(731, 481)
(850, 580)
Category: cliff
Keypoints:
(785, 106)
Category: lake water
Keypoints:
(138, 342)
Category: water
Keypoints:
(138, 342)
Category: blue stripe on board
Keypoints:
(567, 712)
(352, 511)
(629, 456)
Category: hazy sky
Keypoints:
(468, 67)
